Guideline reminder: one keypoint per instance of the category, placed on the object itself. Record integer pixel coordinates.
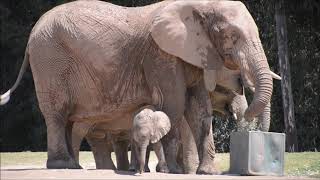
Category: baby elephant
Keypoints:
(149, 127)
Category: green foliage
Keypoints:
(23, 127)
(223, 127)
(304, 45)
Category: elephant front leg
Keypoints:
(133, 159)
(166, 81)
(162, 164)
(188, 154)
(207, 149)
(170, 148)
(198, 116)
(146, 165)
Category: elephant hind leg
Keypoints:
(101, 150)
(54, 104)
(79, 131)
(60, 155)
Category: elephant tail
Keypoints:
(4, 98)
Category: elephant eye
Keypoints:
(231, 34)
(227, 108)
(234, 37)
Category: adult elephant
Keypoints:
(97, 62)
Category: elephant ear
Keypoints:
(178, 29)
(161, 126)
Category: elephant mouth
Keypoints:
(218, 104)
(228, 63)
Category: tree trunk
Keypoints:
(288, 106)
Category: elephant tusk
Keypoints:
(5, 97)
(252, 89)
(235, 116)
(275, 76)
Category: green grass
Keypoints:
(303, 164)
(23, 158)
(296, 164)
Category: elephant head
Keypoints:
(213, 35)
(148, 126)
(226, 102)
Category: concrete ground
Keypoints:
(31, 165)
(37, 172)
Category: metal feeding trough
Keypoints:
(257, 153)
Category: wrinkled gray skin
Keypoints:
(99, 63)
(149, 126)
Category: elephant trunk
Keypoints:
(264, 119)
(142, 157)
(260, 72)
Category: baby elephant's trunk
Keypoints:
(142, 157)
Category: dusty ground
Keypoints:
(42, 173)
(32, 166)
(38, 172)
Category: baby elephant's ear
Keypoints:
(161, 125)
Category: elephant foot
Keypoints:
(106, 166)
(175, 169)
(132, 168)
(190, 170)
(63, 164)
(163, 168)
(208, 170)
(146, 168)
